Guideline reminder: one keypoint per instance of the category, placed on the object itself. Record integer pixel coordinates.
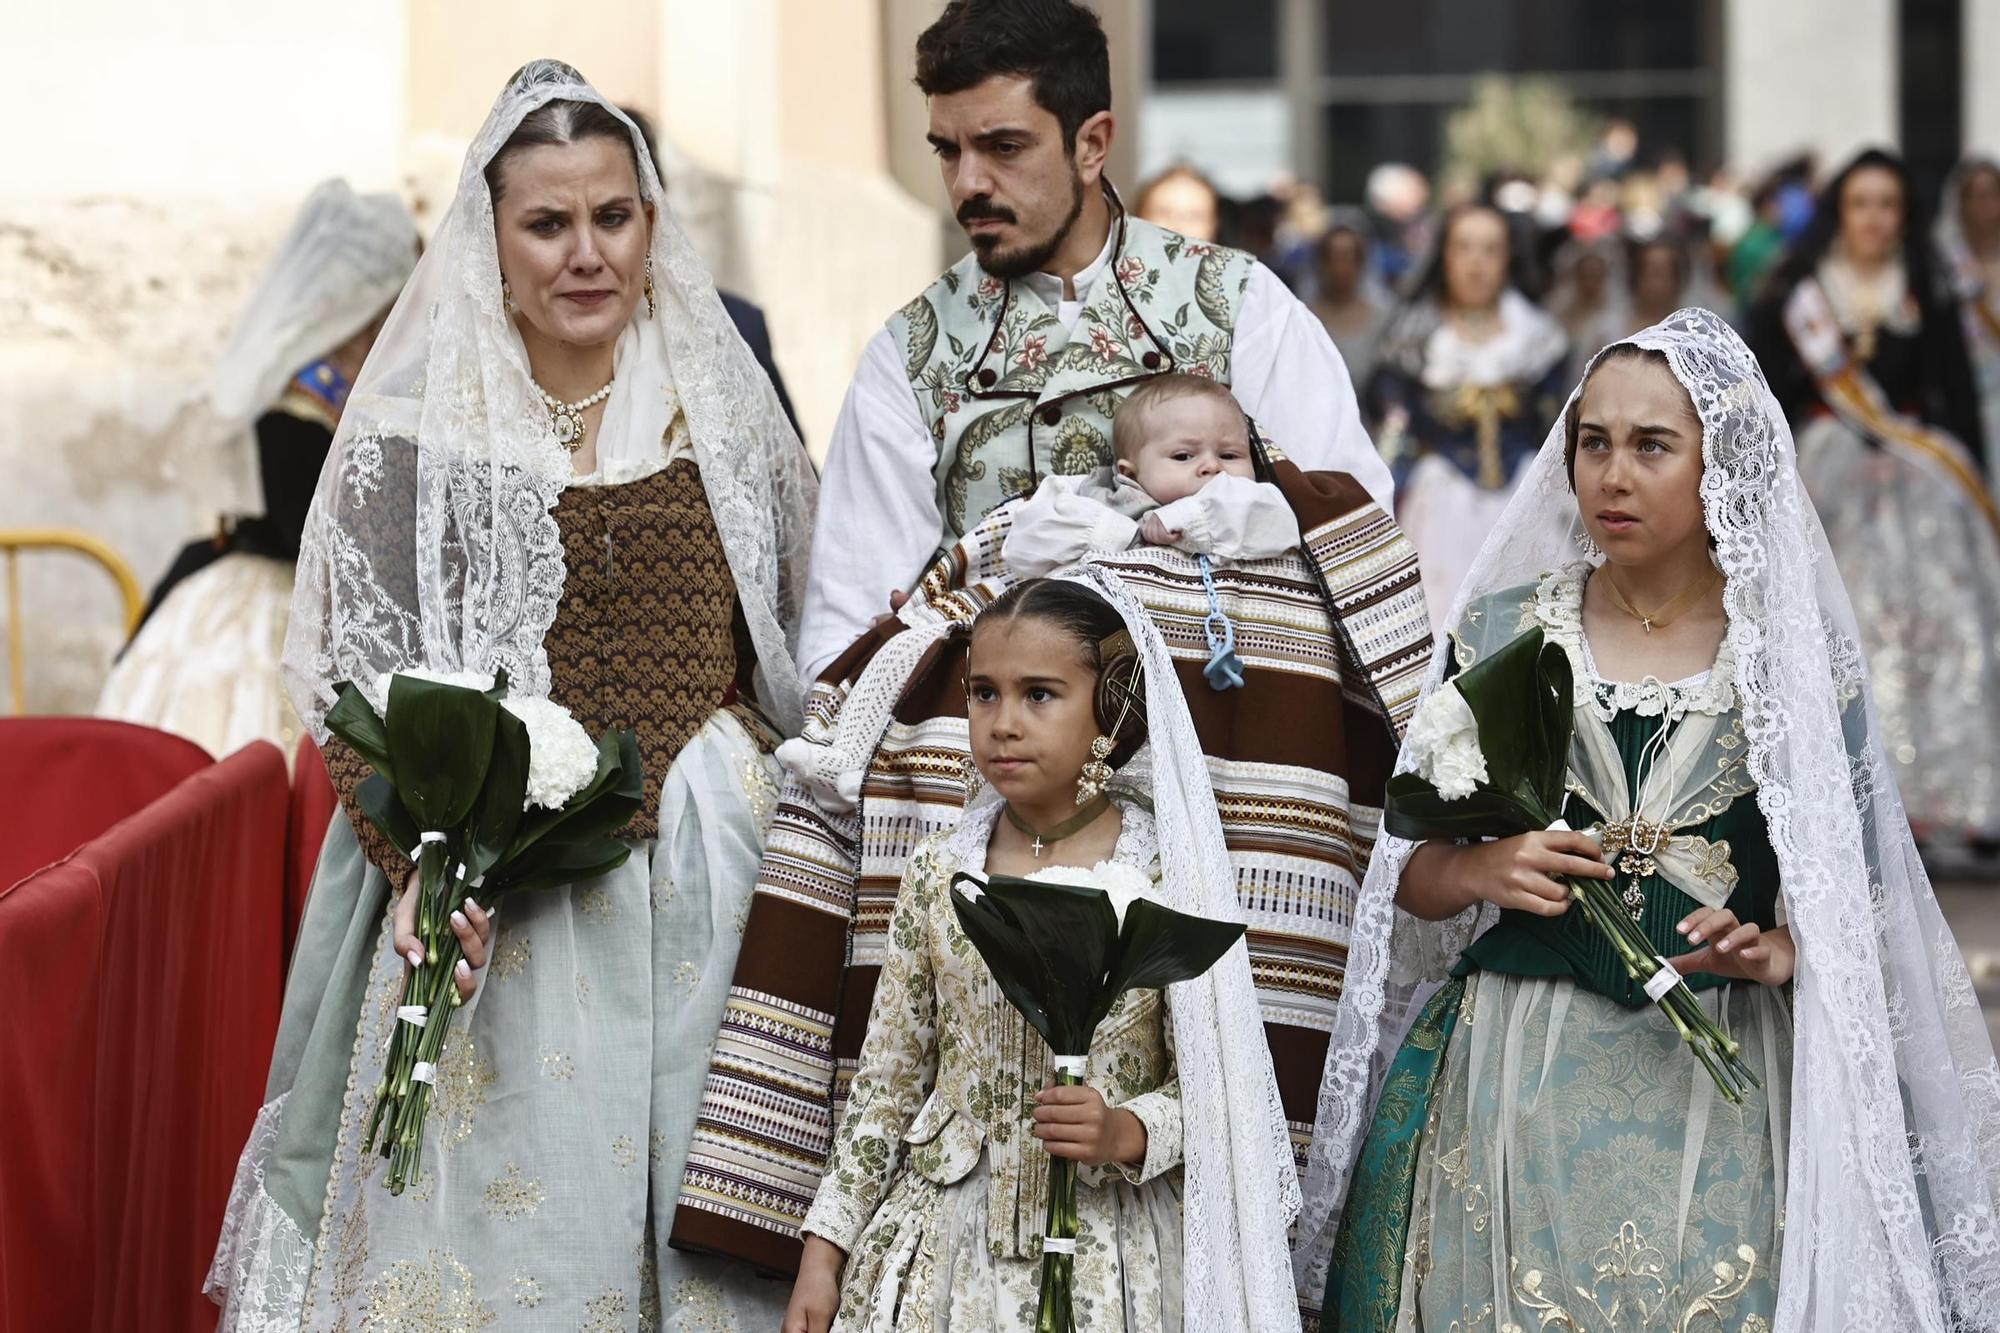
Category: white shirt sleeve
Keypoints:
(1058, 527)
(1288, 375)
(1233, 518)
(878, 523)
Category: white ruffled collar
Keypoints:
(1558, 609)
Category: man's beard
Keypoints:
(1020, 262)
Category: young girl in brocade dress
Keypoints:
(930, 1214)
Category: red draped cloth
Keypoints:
(64, 780)
(139, 982)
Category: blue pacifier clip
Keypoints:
(1225, 669)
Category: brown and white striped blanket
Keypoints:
(1335, 643)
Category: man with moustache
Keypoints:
(1011, 366)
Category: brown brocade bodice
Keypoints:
(647, 634)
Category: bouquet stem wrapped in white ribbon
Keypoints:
(490, 795)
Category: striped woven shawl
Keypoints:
(1335, 643)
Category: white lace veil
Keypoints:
(431, 543)
(1241, 1191)
(1892, 1218)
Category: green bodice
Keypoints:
(1568, 946)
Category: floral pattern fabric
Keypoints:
(1012, 395)
(937, 1189)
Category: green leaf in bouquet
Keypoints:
(1509, 695)
(354, 720)
(1414, 810)
(496, 815)
(1160, 946)
(384, 809)
(550, 864)
(997, 934)
(1070, 933)
(442, 740)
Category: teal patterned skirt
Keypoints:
(1544, 1158)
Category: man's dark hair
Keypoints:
(1057, 45)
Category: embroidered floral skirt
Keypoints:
(1922, 567)
(924, 1264)
(1574, 1169)
(566, 1098)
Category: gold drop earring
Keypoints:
(652, 307)
(506, 295)
(1096, 773)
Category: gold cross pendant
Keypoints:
(1647, 621)
(1038, 846)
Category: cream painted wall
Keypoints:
(1818, 75)
(1982, 76)
(204, 97)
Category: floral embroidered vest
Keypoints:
(1011, 395)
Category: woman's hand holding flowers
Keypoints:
(1074, 1122)
(1523, 873)
(470, 923)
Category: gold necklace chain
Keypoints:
(1667, 614)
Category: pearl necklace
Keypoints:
(566, 419)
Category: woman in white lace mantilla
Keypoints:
(560, 460)
(1509, 1137)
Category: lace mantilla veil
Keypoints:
(431, 543)
(1241, 1189)
(341, 262)
(1890, 1217)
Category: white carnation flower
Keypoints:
(562, 759)
(1443, 741)
(1122, 884)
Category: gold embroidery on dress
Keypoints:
(511, 1195)
(606, 1313)
(557, 1064)
(425, 1189)
(663, 893)
(527, 1291)
(759, 788)
(595, 904)
(511, 957)
(686, 977)
(623, 1151)
(437, 1296)
(698, 1302)
(1630, 1266)
(582, 989)
(464, 1075)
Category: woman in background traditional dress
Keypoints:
(1470, 374)
(204, 662)
(1865, 350)
(1353, 305)
(1969, 236)
(560, 461)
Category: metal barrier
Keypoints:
(13, 541)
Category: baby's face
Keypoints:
(1189, 442)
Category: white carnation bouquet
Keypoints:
(490, 794)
